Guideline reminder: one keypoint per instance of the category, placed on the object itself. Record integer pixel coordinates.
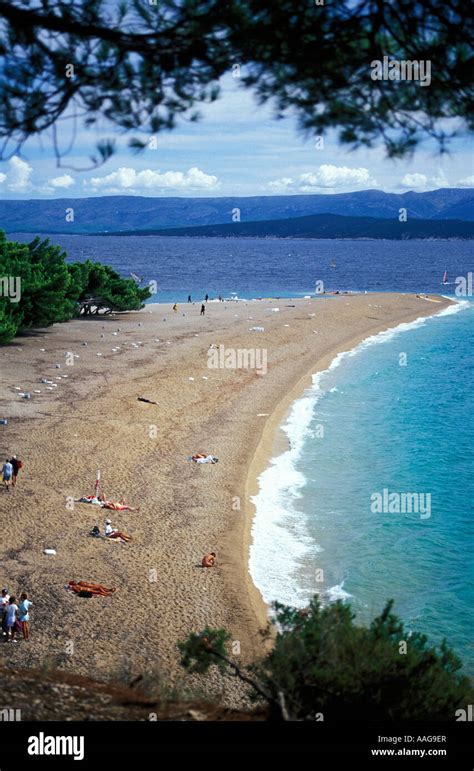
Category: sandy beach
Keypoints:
(93, 420)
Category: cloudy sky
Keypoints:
(236, 149)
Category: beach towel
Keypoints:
(95, 590)
(109, 540)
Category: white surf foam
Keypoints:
(281, 545)
(280, 542)
(336, 592)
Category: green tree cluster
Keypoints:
(51, 291)
(322, 666)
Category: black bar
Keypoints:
(140, 741)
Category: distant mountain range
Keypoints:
(326, 226)
(124, 214)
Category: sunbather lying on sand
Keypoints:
(100, 500)
(201, 457)
(120, 506)
(95, 589)
(110, 532)
(428, 299)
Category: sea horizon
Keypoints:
(283, 268)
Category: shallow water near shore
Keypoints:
(392, 414)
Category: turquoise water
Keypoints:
(371, 423)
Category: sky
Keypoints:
(237, 149)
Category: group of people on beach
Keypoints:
(203, 305)
(10, 470)
(205, 299)
(15, 613)
(203, 308)
(220, 298)
(15, 616)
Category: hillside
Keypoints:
(58, 695)
(131, 213)
(327, 226)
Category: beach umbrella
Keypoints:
(97, 483)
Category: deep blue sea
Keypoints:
(370, 423)
(272, 267)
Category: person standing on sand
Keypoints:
(175, 308)
(17, 465)
(24, 615)
(206, 298)
(7, 474)
(10, 620)
(203, 309)
(4, 599)
(189, 298)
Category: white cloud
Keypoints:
(466, 182)
(439, 180)
(283, 184)
(422, 182)
(327, 177)
(414, 181)
(18, 175)
(127, 178)
(65, 181)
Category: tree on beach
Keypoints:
(8, 324)
(42, 278)
(322, 666)
(51, 291)
(142, 64)
(104, 289)
(44, 299)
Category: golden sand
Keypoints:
(93, 420)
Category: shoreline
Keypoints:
(93, 420)
(274, 442)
